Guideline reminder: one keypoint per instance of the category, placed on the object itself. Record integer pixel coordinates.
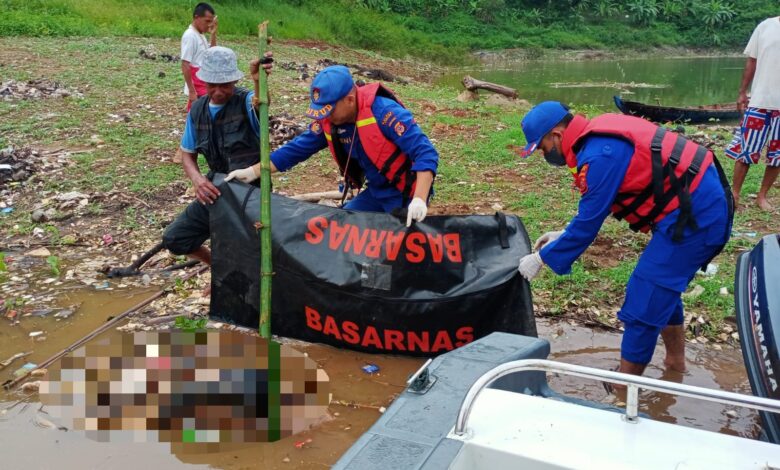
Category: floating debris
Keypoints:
(11, 359)
(63, 314)
(31, 386)
(616, 85)
(25, 369)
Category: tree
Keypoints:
(642, 12)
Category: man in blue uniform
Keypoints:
(372, 137)
(608, 156)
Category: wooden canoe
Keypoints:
(690, 115)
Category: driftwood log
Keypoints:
(315, 197)
(472, 84)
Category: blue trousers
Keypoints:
(653, 292)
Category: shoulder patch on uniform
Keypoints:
(581, 179)
(315, 127)
(400, 128)
(388, 115)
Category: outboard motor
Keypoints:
(757, 299)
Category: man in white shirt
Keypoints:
(193, 45)
(761, 121)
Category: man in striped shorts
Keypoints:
(761, 122)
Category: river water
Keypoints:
(669, 81)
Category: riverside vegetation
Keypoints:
(438, 30)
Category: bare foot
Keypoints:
(764, 205)
(675, 365)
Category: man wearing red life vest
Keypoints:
(658, 182)
(372, 138)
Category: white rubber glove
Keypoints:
(245, 175)
(417, 210)
(546, 238)
(530, 265)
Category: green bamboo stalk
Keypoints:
(266, 271)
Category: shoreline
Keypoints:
(487, 57)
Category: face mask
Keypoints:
(554, 157)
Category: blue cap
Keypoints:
(539, 121)
(329, 86)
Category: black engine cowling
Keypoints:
(757, 299)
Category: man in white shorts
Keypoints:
(193, 45)
(761, 121)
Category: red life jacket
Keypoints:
(664, 170)
(391, 162)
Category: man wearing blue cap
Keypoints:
(374, 140)
(657, 181)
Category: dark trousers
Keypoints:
(189, 231)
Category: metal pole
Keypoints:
(634, 382)
(266, 271)
(632, 404)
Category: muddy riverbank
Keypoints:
(358, 399)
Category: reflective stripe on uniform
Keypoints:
(366, 121)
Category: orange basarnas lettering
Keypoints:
(423, 341)
(414, 247)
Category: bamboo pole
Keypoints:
(266, 271)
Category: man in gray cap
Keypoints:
(222, 126)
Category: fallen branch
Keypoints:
(184, 265)
(314, 197)
(40, 244)
(134, 269)
(472, 84)
(163, 319)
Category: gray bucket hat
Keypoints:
(219, 65)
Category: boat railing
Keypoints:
(634, 383)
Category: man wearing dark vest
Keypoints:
(374, 140)
(222, 126)
(657, 181)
